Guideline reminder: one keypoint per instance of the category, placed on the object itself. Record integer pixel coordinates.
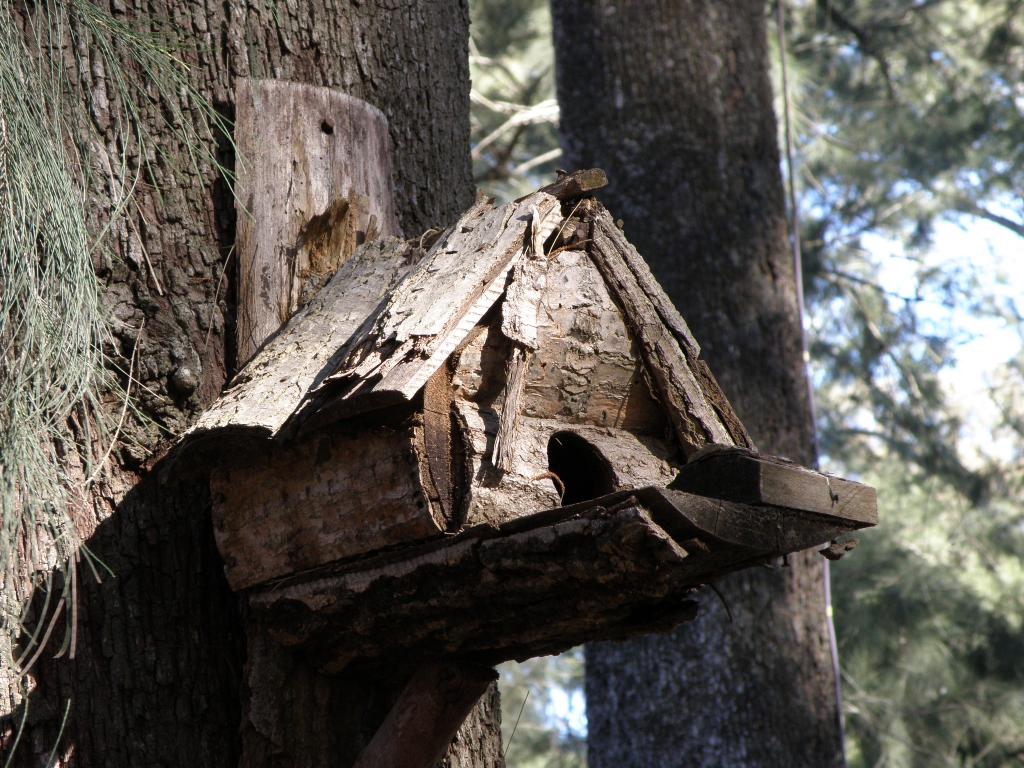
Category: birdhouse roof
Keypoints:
(396, 310)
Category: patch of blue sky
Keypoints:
(566, 712)
(984, 341)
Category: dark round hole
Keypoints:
(584, 472)
(327, 127)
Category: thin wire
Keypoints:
(516, 726)
(794, 239)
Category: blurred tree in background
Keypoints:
(908, 132)
(909, 121)
(542, 719)
(514, 111)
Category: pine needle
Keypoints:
(54, 325)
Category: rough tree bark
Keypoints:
(157, 675)
(672, 99)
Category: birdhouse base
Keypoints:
(622, 564)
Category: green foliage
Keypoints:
(52, 324)
(908, 119)
(54, 329)
(912, 109)
(535, 730)
(930, 618)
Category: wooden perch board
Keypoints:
(739, 475)
(618, 565)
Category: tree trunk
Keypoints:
(157, 677)
(673, 100)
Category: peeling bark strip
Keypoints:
(436, 307)
(303, 152)
(512, 408)
(270, 388)
(519, 325)
(700, 412)
(618, 565)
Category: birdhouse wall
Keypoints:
(327, 497)
(585, 378)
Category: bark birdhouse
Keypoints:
(497, 440)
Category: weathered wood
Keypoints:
(331, 496)
(428, 712)
(608, 568)
(589, 368)
(433, 311)
(700, 412)
(267, 392)
(577, 184)
(308, 157)
(739, 475)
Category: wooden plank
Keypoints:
(426, 715)
(699, 410)
(435, 308)
(577, 184)
(314, 169)
(738, 475)
(265, 394)
(608, 568)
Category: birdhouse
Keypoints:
(494, 441)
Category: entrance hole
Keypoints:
(584, 472)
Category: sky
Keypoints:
(997, 258)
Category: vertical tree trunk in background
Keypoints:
(157, 676)
(673, 99)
